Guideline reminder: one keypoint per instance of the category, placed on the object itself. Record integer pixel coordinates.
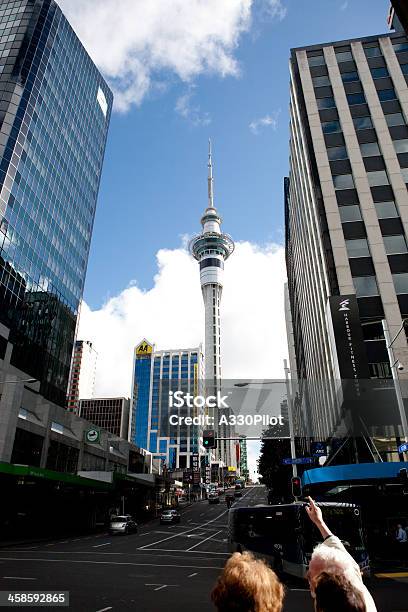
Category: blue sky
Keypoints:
(153, 188)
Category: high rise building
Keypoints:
(155, 374)
(54, 116)
(211, 248)
(398, 16)
(82, 375)
(346, 208)
(110, 413)
(243, 458)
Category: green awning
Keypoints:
(44, 474)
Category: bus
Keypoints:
(285, 537)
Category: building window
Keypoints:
(321, 81)
(372, 51)
(350, 213)
(325, 103)
(329, 127)
(343, 181)
(401, 146)
(395, 244)
(357, 248)
(379, 177)
(57, 427)
(365, 286)
(380, 370)
(387, 94)
(395, 119)
(404, 172)
(334, 153)
(404, 68)
(400, 282)
(400, 47)
(379, 73)
(356, 98)
(386, 210)
(345, 56)
(348, 77)
(368, 149)
(362, 123)
(317, 60)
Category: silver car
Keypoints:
(122, 524)
(170, 516)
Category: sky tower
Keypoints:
(211, 248)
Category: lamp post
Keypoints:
(394, 363)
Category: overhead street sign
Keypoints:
(299, 460)
(403, 448)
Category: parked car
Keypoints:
(123, 524)
(170, 516)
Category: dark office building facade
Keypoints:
(54, 116)
(346, 208)
(110, 413)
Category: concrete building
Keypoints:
(346, 209)
(155, 374)
(54, 116)
(211, 248)
(110, 413)
(82, 376)
(243, 458)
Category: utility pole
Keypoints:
(394, 364)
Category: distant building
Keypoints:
(155, 373)
(243, 458)
(82, 377)
(110, 413)
(54, 115)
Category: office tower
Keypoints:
(211, 248)
(82, 376)
(346, 209)
(398, 16)
(54, 116)
(155, 375)
(243, 458)
(110, 413)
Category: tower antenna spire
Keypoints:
(210, 177)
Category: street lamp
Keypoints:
(396, 365)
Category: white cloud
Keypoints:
(190, 111)
(266, 121)
(133, 41)
(171, 315)
(344, 5)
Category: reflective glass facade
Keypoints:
(54, 116)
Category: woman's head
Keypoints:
(335, 593)
(247, 585)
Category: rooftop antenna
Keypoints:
(210, 177)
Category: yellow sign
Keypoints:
(231, 469)
(144, 348)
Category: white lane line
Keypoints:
(176, 535)
(63, 542)
(191, 575)
(202, 541)
(215, 567)
(18, 578)
(105, 609)
(104, 544)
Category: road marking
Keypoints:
(191, 575)
(63, 542)
(104, 544)
(18, 578)
(202, 541)
(201, 552)
(392, 575)
(160, 586)
(215, 567)
(53, 544)
(105, 609)
(176, 535)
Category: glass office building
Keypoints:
(155, 374)
(54, 116)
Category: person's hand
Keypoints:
(314, 512)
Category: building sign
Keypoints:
(231, 469)
(92, 436)
(195, 464)
(188, 477)
(318, 449)
(207, 474)
(347, 338)
(144, 348)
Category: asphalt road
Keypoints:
(162, 567)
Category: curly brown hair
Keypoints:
(334, 593)
(247, 585)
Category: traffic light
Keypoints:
(296, 486)
(209, 439)
(403, 476)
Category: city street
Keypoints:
(162, 567)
